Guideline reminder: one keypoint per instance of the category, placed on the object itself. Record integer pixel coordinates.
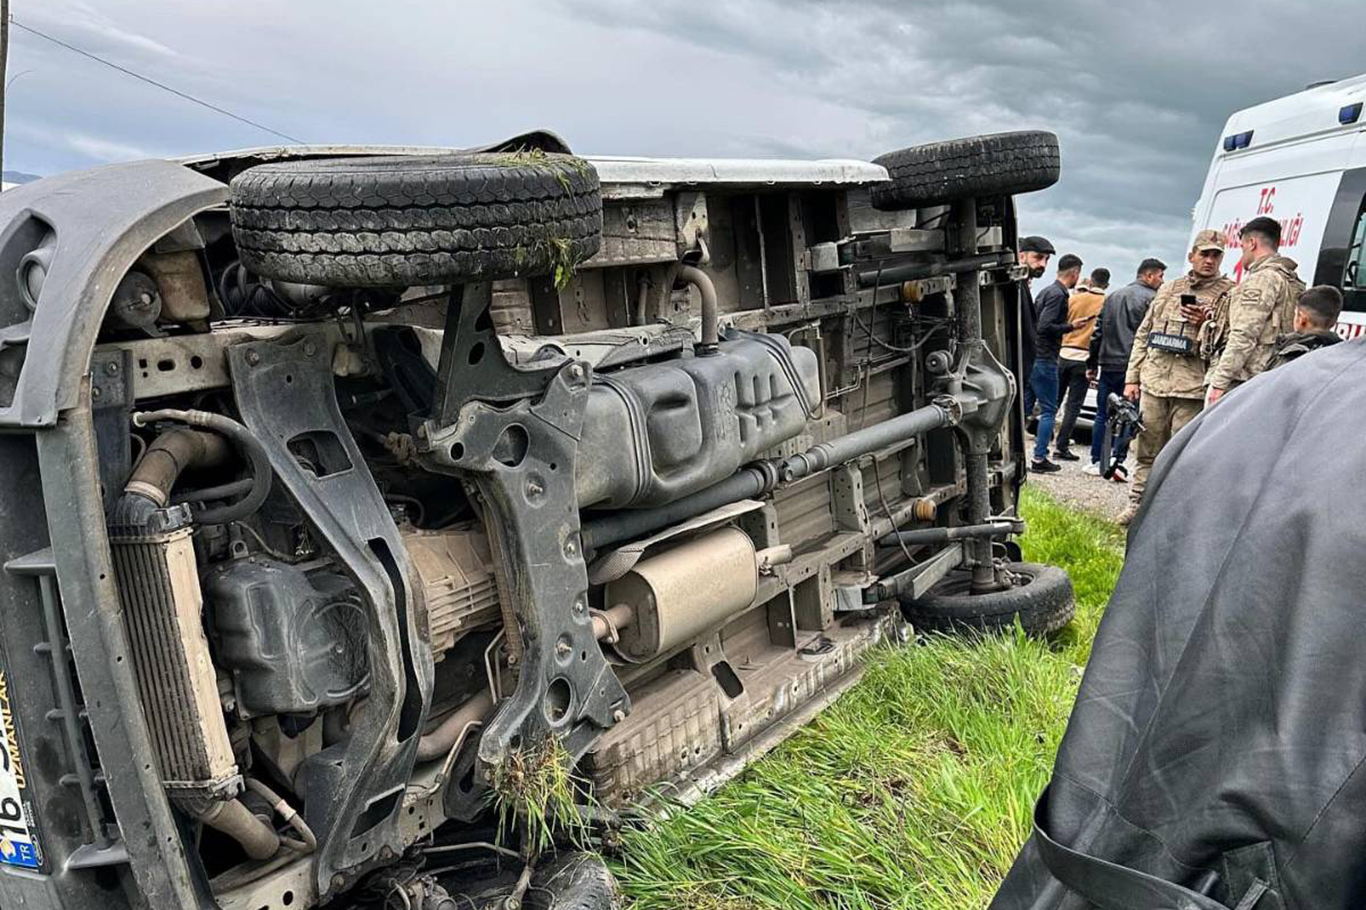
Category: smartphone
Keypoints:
(1187, 300)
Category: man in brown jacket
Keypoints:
(1262, 307)
(1166, 367)
(1082, 309)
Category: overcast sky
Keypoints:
(1138, 92)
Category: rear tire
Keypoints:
(402, 220)
(992, 165)
(1044, 603)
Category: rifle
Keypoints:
(1123, 424)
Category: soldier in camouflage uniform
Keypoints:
(1243, 342)
(1166, 371)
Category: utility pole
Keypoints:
(4, 65)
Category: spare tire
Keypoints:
(1042, 601)
(994, 165)
(401, 220)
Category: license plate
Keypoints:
(1172, 344)
(18, 834)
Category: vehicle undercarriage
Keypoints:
(341, 481)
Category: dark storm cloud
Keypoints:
(1138, 92)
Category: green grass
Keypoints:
(914, 789)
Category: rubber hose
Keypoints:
(246, 443)
(285, 811)
(172, 453)
(234, 819)
(222, 491)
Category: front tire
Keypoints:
(570, 881)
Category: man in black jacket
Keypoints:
(1111, 343)
(1034, 254)
(1051, 307)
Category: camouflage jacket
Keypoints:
(1241, 342)
(1162, 372)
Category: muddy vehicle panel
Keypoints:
(339, 480)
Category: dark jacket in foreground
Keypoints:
(1219, 738)
(1121, 316)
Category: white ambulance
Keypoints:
(1300, 159)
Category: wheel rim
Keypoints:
(959, 584)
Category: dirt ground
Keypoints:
(1099, 497)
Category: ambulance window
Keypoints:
(1355, 276)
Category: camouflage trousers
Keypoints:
(1163, 418)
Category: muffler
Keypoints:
(679, 594)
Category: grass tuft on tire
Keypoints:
(402, 220)
(1042, 601)
(992, 165)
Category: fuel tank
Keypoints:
(657, 432)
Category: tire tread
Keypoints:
(995, 164)
(409, 220)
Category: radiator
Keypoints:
(159, 591)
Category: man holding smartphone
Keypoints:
(1167, 368)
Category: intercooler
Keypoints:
(154, 567)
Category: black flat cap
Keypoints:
(1036, 244)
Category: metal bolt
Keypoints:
(95, 392)
(111, 368)
(512, 660)
(310, 348)
(578, 607)
(571, 549)
(575, 372)
(253, 358)
(618, 716)
(534, 488)
(338, 880)
(562, 648)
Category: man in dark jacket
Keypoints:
(1216, 753)
(1316, 312)
(1051, 305)
(1111, 343)
(1034, 254)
